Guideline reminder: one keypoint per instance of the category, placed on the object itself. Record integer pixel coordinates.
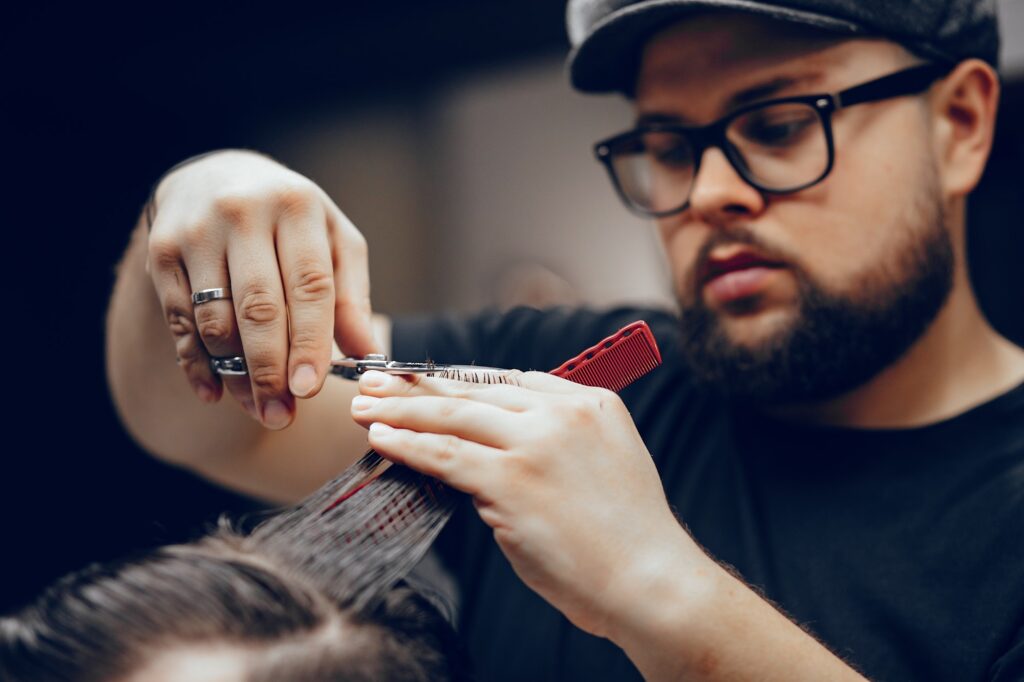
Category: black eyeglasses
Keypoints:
(777, 146)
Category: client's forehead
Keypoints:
(195, 663)
(717, 59)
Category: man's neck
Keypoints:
(960, 362)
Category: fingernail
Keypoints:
(363, 402)
(205, 393)
(380, 429)
(375, 379)
(276, 415)
(303, 380)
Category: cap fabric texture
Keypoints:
(607, 35)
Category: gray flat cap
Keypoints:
(607, 35)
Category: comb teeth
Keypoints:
(617, 361)
(400, 513)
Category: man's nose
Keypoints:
(720, 194)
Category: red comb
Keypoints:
(616, 362)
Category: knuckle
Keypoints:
(267, 378)
(214, 331)
(190, 357)
(179, 321)
(296, 199)
(306, 340)
(164, 253)
(446, 452)
(579, 410)
(311, 284)
(447, 409)
(203, 314)
(356, 244)
(258, 306)
(521, 467)
(234, 209)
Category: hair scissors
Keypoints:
(351, 368)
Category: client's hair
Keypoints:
(259, 594)
(314, 593)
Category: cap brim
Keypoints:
(607, 60)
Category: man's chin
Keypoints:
(757, 329)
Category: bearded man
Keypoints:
(826, 478)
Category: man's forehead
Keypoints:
(730, 59)
(655, 108)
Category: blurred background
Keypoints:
(445, 130)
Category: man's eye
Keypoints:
(671, 154)
(776, 132)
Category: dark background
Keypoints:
(98, 103)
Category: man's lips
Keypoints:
(743, 260)
(732, 275)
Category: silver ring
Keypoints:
(230, 366)
(206, 295)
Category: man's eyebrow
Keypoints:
(771, 88)
(645, 119)
(748, 95)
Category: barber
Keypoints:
(824, 478)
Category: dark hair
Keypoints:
(244, 590)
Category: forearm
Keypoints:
(702, 623)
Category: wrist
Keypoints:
(663, 589)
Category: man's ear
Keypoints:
(964, 108)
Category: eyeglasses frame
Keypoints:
(910, 81)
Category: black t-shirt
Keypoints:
(902, 549)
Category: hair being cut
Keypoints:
(292, 619)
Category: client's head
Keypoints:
(230, 607)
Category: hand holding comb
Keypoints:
(389, 515)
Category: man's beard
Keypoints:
(836, 342)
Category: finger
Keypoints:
(262, 322)
(464, 465)
(353, 326)
(467, 419)
(381, 384)
(304, 256)
(215, 320)
(174, 291)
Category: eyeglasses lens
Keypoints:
(655, 170)
(778, 148)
